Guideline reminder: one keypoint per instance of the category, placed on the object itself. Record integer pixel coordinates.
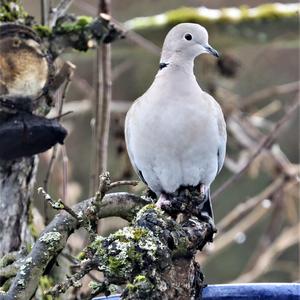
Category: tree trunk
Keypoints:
(16, 185)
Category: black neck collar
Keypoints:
(163, 65)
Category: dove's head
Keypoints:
(186, 41)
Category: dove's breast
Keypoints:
(173, 141)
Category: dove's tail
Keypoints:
(207, 207)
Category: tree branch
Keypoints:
(58, 11)
(264, 143)
(103, 100)
(270, 92)
(53, 239)
(286, 239)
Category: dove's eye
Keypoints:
(188, 37)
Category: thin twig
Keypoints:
(265, 143)
(138, 39)
(59, 11)
(123, 182)
(44, 12)
(242, 209)
(67, 71)
(98, 109)
(103, 100)
(64, 152)
(62, 115)
(59, 204)
(65, 161)
(269, 92)
(267, 237)
(286, 239)
(227, 238)
(49, 169)
(84, 106)
(65, 75)
(74, 279)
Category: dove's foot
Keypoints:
(205, 217)
(162, 201)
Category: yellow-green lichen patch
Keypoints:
(43, 31)
(50, 237)
(126, 250)
(84, 20)
(45, 283)
(147, 208)
(134, 255)
(140, 288)
(79, 24)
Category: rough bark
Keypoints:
(16, 185)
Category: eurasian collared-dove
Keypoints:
(175, 133)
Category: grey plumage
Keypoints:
(175, 133)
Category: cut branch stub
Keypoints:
(25, 66)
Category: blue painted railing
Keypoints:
(252, 291)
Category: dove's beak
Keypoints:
(212, 51)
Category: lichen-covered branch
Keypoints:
(81, 33)
(65, 31)
(12, 11)
(54, 237)
(153, 258)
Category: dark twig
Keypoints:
(62, 115)
(266, 142)
(74, 279)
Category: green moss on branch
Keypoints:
(139, 255)
(13, 11)
(78, 32)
